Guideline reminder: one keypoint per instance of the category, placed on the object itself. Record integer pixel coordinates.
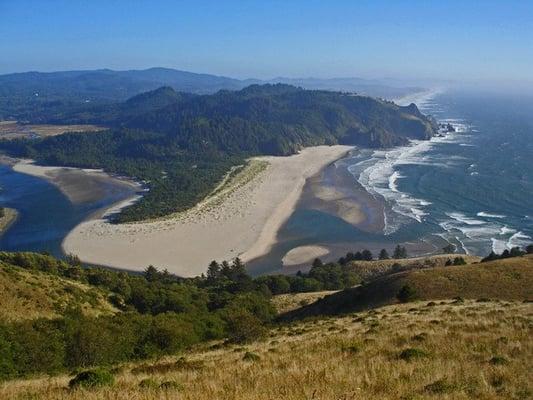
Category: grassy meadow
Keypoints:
(451, 349)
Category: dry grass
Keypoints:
(470, 350)
(508, 279)
(15, 130)
(288, 302)
(368, 270)
(32, 294)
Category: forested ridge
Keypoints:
(182, 144)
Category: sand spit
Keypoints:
(241, 219)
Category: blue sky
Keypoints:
(459, 40)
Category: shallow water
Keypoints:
(46, 216)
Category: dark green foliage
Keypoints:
(2, 212)
(383, 254)
(330, 276)
(412, 353)
(181, 146)
(92, 378)
(399, 252)
(367, 255)
(243, 326)
(162, 315)
(514, 252)
(406, 294)
(459, 261)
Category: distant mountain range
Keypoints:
(109, 85)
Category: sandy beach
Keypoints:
(241, 219)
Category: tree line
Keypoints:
(159, 314)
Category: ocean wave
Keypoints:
(519, 239)
(498, 245)
(460, 217)
(489, 215)
(378, 175)
(392, 181)
(379, 172)
(506, 230)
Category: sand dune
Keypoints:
(241, 220)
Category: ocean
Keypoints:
(472, 188)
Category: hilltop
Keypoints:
(27, 94)
(505, 279)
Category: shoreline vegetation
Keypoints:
(8, 217)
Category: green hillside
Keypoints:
(28, 295)
(182, 145)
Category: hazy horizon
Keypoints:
(410, 41)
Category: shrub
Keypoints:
(149, 383)
(459, 261)
(439, 387)
(92, 378)
(249, 356)
(498, 360)
(412, 354)
(244, 327)
(407, 293)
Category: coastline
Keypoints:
(242, 220)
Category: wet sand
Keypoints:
(79, 185)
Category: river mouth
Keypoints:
(47, 213)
